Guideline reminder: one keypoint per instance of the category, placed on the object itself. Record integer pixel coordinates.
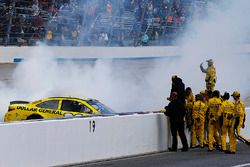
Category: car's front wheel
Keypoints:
(34, 116)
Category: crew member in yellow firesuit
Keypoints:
(210, 75)
(189, 101)
(240, 108)
(213, 120)
(205, 98)
(227, 109)
(199, 112)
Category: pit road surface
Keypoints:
(193, 158)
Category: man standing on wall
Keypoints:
(210, 75)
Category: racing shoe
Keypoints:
(199, 146)
(229, 152)
(172, 149)
(223, 151)
(184, 149)
(217, 146)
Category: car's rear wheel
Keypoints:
(34, 116)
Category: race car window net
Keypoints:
(75, 106)
(50, 104)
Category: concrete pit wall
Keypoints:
(69, 141)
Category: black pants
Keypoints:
(178, 127)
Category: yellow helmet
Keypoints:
(174, 76)
(203, 92)
(236, 94)
(210, 62)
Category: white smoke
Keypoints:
(112, 82)
(219, 36)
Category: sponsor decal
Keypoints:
(26, 108)
(42, 110)
(57, 112)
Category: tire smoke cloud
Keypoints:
(219, 36)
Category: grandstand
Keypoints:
(95, 23)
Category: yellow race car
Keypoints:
(55, 107)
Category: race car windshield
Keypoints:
(101, 107)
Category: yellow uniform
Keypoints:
(240, 109)
(210, 78)
(189, 101)
(228, 111)
(199, 112)
(213, 121)
(205, 99)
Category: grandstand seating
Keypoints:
(67, 22)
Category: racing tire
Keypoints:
(34, 116)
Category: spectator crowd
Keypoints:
(93, 22)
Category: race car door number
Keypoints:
(92, 126)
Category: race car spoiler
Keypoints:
(19, 102)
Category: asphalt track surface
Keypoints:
(193, 158)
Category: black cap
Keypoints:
(198, 97)
(226, 96)
(216, 93)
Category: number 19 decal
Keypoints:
(92, 126)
